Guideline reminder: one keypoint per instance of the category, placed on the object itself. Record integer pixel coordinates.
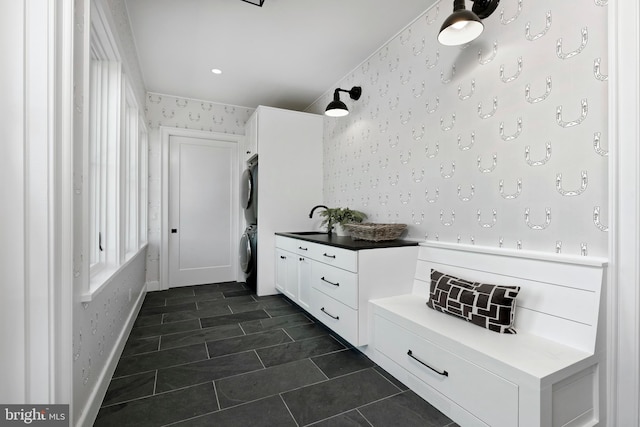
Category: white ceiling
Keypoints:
(285, 54)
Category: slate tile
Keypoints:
(237, 293)
(247, 342)
(137, 346)
(199, 336)
(163, 329)
(206, 370)
(406, 409)
(152, 320)
(306, 331)
(224, 302)
(391, 378)
(208, 322)
(185, 291)
(274, 323)
(297, 350)
(218, 287)
(283, 311)
(129, 388)
(160, 409)
(338, 395)
(159, 359)
(268, 412)
(147, 311)
(258, 305)
(342, 362)
(255, 385)
(185, 300)
(348, 419)
(195, 314)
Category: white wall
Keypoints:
(165, 110)
(394, 156)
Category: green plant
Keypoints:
(333, 216)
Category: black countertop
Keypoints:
(346, 242)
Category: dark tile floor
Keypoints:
(219, 355)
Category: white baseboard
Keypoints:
(90, 412)
(153, 286)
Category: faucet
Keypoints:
(314, 209)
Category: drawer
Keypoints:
(340, 318)
(337, 257)
(489, 397)
(339, 284)
(299, 247)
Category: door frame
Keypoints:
(165, 135)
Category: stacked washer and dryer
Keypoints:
(249, 239)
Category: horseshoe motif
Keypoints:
(491, 113)
(434, 109)
(417, 94)
(530, 99)
(449, 126)
(541, 162)
(597, 145)
(407, 200)
(393, 182)
(433, 199)
(451, 221)
(513, 18)
(583, 44)
(432, 155)
(493, 165)
(416, 221)
(468, 198)
(468, 146)
(547, 26)
(597, 70)
(494, 52)
(514, 76)
(451, 173)
(462, 97)
(547, 219)
(415, 177)
(494, 219)
(431, 64)
(597, 221)
(417, 52)
(512, 136)
(416, 136)
(432, 20)
(406, 80)
(584, 181)
(407, 160)
(405, 120)
(513, 195)
(584, 110)
(448, 80)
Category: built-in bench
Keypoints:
(551, 373)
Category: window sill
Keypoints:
(101, 280)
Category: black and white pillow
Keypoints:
(490, 306)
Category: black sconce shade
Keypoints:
(337, 108)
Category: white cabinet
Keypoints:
(334, 284)
(289, 147)
(250, 143)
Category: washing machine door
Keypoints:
(246, 189)
(246, 253)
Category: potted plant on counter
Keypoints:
(339, 217)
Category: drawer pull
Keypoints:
(331, 283)
(283, 257)
(331, 315)
(443, 373)
(329, 256)
(302, 249)
(301, 259)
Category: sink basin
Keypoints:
(309, 233)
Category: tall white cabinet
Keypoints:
(289, 148)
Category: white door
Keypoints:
(202, 187)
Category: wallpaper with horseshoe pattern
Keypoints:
(501, 142)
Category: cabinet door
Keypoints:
(251, 138)
(291, 288)
(304, 281)
(281, 269)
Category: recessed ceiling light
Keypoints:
(216, 71)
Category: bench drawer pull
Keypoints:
(302, 249)
(329, 256)
(331, 283)
(329, 314)
(443, 373)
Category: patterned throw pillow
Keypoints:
(490, 306)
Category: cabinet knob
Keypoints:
(283, 257)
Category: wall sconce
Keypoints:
(337, 108)
(463, 25)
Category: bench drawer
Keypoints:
(339, 284)
(336, 316)
(489, 397)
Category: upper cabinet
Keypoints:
(250, 148)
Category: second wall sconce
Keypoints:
(337, 108)
(463, 25)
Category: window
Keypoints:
(115, 162)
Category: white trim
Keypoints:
(165, 134)
(94, 401)
(623, 343)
